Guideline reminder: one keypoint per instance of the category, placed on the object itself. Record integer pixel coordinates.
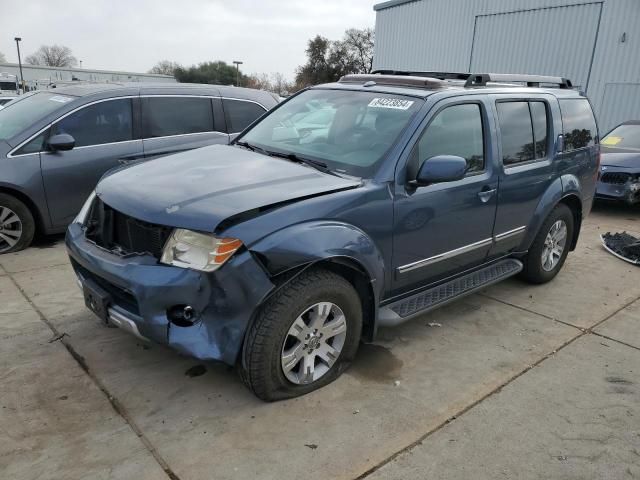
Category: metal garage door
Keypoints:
(620, 102)
(547, 41)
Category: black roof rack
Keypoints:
(481, 79)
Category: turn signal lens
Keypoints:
(199, 251)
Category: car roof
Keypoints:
(631, 122)
(82, 89)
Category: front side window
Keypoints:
(578, 124)
(166, 116)
(456, 130)
(350, 131)
(103, 122)
(240, 114)
(523, 131)
(28, 109)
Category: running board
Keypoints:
(402, 310)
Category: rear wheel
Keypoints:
(550, 247)
(303, 338)
(16, 224)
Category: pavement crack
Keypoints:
(115, 403)
(620, 342)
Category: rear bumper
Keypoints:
(142, 291)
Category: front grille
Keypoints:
(616, 178)
(125, 235)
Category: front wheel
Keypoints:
(550, 247)
(303, 338)
(16, 224)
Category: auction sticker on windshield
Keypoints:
(394, 103)
(60, 99)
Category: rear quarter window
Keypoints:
(578, 124)
(240, 114)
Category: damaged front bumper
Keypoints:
(142, 293)
(619, 186)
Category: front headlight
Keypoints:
(84, 211)
(199, 251)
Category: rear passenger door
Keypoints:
(173, 123)
(526, 147)
(239, 114)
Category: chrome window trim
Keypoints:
(91, 146)
(445, 255)
(510, 233)
(148, 139)
(11, 155)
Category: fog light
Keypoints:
(182, 315)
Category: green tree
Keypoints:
(328, 60)
(219, 73)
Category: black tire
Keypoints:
(260, 364)
(533, 271)
(26, 220)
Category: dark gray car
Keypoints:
(56, 144)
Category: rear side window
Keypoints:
(103, 122)
(456, 130)
(240, 114)
(166, 116)
(578, 124)
(523, 131)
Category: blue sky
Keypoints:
(269, 36)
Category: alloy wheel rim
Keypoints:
(10, 228)
(313, 343)
(554, 245)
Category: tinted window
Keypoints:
(516, 132)
(456, 130)
(34, 146)
(578, 124)
(164, 116)
(240, 114)
(27, 110)
(540, 129)
(104, 122)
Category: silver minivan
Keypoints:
(56, 144)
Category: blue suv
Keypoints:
(348, 207)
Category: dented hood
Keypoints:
(201, 188)
(620, 158)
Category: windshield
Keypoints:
(6, 85)
(624, 136)
(349, 131)
(25, 111)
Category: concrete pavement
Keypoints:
(482, 385)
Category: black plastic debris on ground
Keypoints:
(623, 246)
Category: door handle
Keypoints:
(486, 193)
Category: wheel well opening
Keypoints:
(575, 205)
(29, 204)
(360, 280)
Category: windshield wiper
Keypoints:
(318, 165)
(253, 148)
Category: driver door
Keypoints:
(444, 228)
(104, 138)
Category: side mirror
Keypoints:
(441, 168)
(61, 142)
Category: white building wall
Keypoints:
(42, 75)
(596, 44)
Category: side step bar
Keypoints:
(402, 310)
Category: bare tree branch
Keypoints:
(52, 56)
